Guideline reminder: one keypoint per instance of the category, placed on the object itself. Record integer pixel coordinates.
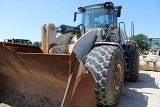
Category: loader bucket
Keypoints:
(28, 77)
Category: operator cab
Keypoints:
(155, 43)
(99, 15)
(155, 46)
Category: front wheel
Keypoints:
(107, 66)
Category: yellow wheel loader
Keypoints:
(151, 61)
(78, 66)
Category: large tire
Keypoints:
(134, 66)
(107, 66)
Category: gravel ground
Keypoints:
(143, 93)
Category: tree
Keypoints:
(142, 41)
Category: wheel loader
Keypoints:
(151, 61)
(82, 66)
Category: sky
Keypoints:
(23, 19)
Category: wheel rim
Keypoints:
(117, 77)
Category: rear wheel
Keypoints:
(134, 66)
(107, 66)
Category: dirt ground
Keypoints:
(15, 99)
(143, 93)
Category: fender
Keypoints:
(84, 44)
(109, 43)
(133, 45)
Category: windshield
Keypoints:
(95, 17)
(155, 43)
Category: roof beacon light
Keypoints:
(109, 5)
(81, 9)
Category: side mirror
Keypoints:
(75, 16)
(118, 12)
